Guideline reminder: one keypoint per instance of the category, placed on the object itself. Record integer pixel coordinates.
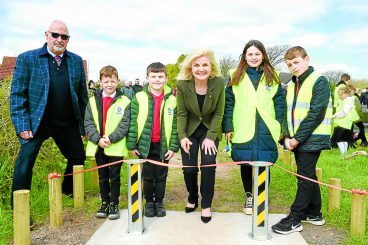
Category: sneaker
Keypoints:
(114, 212)
(103, 212)
(248, 206)
(288, 225)
(160, 209)
(314, 219)
(149, 210)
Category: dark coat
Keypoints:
(318, 106)
(261, 147)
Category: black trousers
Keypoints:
(154, 176)
(361, 134)
(109, 177)
(308, 196)
(69, 142)
(207, 173)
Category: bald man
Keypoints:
(48, 99)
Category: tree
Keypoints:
(276, 55)
(333, 75)
(172, 71)
(227, 63)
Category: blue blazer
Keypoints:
(30, 88)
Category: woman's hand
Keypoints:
(209, 147)
(185, 144)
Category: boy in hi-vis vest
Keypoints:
(307, 133)
(153, 135)
(107, 122)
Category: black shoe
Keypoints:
(149, 210)
(288, 225)
(314, 219)
(189, 209)
(206, 219)
(103, 212)
(114, 212)
(160, 209)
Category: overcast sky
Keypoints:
(132, 34)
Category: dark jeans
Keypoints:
(207, 173)
(109, 177)
(69, 142)
(361, 134)
(154, 176)
(308, 196)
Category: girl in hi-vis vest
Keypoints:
(255, 106)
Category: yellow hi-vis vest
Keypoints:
(114, 116)
(247, 102)
(352, 116)
(302, 106)
(166, 113)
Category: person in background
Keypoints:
(127, 89)
(106, 121)
(137, 86)
(359, 123)
(200, 98)
(255, 107)
(307, 133)
(152, 135)
(48, 99)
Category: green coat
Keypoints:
(143, 143)
(189, 115)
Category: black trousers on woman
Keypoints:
(207, 173)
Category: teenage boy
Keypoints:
(107, 122)
(153, 135)
(307, 132)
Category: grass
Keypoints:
(229, 195)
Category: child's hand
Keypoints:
(135, 153)
(102, 143)
(228, 135)
(169, 154)
(107, 140)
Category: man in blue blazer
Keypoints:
(48, 99)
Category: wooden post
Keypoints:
(94, 174)
(358, 215)
(280, 151)
(319, 174)
(21, 219)
(293, 165)
(287, 157)
(334, 196)
(78, 187)
(55, 201)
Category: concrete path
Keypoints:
(180, 228)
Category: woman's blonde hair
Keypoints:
(186, 67)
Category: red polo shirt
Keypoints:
(156, 123)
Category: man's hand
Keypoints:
(26, 135)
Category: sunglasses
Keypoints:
(57, 35)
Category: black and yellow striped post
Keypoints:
(135, 198)
(260, 201)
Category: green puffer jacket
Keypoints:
(143, 143)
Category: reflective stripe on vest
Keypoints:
(114, 116)
(302, 106)
(247, 102)
(167, 109)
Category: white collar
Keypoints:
(111, 96)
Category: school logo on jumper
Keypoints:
(170, 111)
(119, 110)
